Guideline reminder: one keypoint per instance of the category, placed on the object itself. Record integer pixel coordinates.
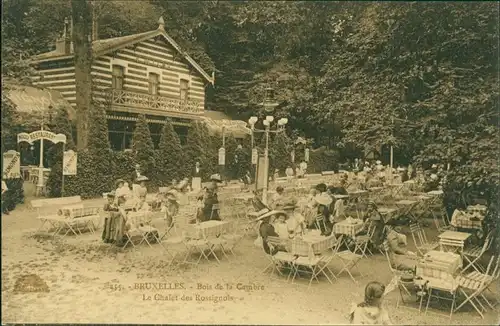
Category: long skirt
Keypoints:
(114, 228)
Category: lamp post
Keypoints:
(267, 130)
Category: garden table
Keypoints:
(406, 207)
(453, 239)
(348, 229)
(211, 228)
(388, 213)
(467, 220)
(319, 243)
(376, 192)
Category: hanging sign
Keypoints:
(11, 165)
(306, 155)
(292, 155)
(255, 156)
(41, 134)
(222, 156)
(69, 163)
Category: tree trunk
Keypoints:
(81, 12)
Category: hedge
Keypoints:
(15, 194)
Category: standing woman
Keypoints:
(209, 199)
(170, 208)
(110, 207)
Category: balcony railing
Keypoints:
(155, 102)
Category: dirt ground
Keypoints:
(89, 284)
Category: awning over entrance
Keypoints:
(37, 101)
(216, 121)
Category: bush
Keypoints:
(15, 194)
(170, 156)
(322, 159)
(198, 148)
(143, 148)
(279, 153)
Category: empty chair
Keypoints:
(420, 239)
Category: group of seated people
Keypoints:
(122, 202)
(281, 219)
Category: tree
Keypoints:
(81, 12)
(170, 155)
(196, 146)
(279, 153)
(143, 148)
(61, 125)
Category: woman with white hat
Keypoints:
(323, 201)
(170, 207)
(209, 198)
(266, 229)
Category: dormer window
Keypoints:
(184, 93)
(154, 83)
(117, 77)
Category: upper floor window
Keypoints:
(154, 83)
(117, 77)
(184, 89)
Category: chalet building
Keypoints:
(146, 73)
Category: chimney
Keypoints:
(95, 31)
(63, 43)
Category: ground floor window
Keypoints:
(121, 134)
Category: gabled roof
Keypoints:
(101, 47)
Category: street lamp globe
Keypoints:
(266, 123)
(270, 118)
(252, 120)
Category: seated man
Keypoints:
(401, 258)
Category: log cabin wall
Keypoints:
(142, 63)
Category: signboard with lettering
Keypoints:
(222, 156)
(69, 163)
(306, 155)
(255, 156)
(41, 134)
(11, 165)
(262, 173)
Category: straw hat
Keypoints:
(378, 162)
(117, 182)
(323, 199)
(215, 177)
(269, 213)
(142, 178)
(111, 194)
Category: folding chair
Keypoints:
(315, 264)
(281, 258)
(448, 286)
(397, 275)
(194, 244)
(473, 254)
(85, 216)
(215, 208)
(349, 261)
(451, 245)
(422, 245)
(473, 285)
(361, 242)
(233, 236)
(140, 226)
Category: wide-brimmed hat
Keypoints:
(142, 178)
(323, 199)
(171, 195)
(434, 176)
(111, 194)
(215, 177)
(269, 213)
(290, 204)
(378, 162)
(119, 181)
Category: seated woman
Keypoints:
(278, 199)
(401, 258)
(210, 198)
(142, 205)
(266, 229)
(170, 207)
(370, 311)
(375, 217)
(295, 222)
(280, 225)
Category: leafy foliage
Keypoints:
(170, 155)
(279, 153)
(143, 148)
(196, 146)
